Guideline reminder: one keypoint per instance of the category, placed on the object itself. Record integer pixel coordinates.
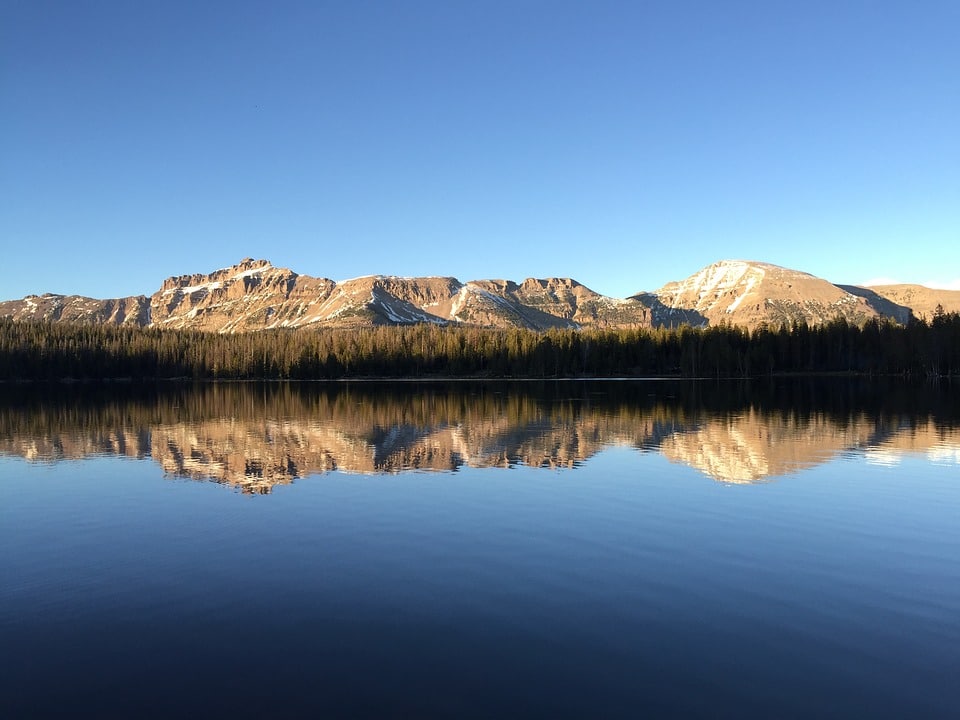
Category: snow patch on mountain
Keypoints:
(750, 284)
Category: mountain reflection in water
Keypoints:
(254, 436)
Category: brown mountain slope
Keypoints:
(923, 301)
(750, 293)
(577, 304)
(75, 308)
(884, 307)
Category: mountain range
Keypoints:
(255, 295)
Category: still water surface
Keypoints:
(565, 549)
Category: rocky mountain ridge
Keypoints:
(255, 295)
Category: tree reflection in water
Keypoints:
(255, 436)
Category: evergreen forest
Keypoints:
(58, 351)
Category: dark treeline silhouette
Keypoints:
(51, 351)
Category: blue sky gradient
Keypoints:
(624, 144)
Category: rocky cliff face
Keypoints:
(255, 295)
(252, 295)
(552, 302)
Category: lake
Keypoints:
(781, 548)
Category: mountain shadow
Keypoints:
(887, 308)
(668, 317)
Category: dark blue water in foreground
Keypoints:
(565, 550)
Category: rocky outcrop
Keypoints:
(556, 302)
(252, 295)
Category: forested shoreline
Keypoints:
(32, 351)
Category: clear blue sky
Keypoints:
(624, 144)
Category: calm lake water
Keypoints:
(564, 549)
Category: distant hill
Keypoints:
(255, 295)
(920, 301)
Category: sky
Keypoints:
(624, 144)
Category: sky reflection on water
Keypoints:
(812, 580)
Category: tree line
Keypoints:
(54, 351)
